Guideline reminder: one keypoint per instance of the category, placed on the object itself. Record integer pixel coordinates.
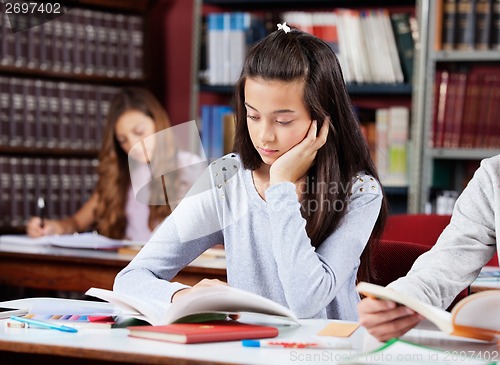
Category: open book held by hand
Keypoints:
(200, 305)
(476, 316)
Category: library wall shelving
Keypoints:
(57, 79)
(370, 92)
(456, 97)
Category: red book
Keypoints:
(213, 331)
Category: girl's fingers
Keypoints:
(323, 133)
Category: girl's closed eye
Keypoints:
(284, 122)
(252, 117)
(139, 131)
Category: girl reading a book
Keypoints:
(453, 263)
(113, 209)
(297, 206)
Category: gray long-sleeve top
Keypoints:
(267, 248)
(464, 247)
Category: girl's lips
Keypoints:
(266, 151)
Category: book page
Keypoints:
(23, 239)
(61, 306)
(225, 299)
(150, 311)
(85, 240)
(438, 316)
(481, 310)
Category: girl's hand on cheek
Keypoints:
(293, 164)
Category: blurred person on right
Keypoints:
(453, 263)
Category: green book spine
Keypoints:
(404, 42)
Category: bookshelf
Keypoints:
(447, 161)
(365, 94)
(57, 80)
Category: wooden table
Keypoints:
(66, 269)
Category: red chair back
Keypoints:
(391, 260)
(422, 228)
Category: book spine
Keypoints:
(122, 42)
(4, 111)
(57, 45)
(3, 39)
(64, 124)
(67, 42)
(459, 109)
(29, 134)
(15, 113)
(466, 24)
(39, 110)
(438, 37)
(470, 112)
(449, 24)
(381, 126)
(79, 40)
(441, 108)
(88, 53)
(31, 35)
(16, 192)
(495, 25)
(42, 46)
(4, 191)
(450, 110)
(483, 24)
(51, 114)
(28, 188)
(404, 42)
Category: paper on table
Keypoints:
(397, 351)
(79, 240)
(63, 306)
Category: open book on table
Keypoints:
(200, 305)
(78, 240)
(476, 316)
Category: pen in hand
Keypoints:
(41, 208)
(44, 324)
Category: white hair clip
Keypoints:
(284, 27)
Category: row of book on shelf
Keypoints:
(362, 39)
(466, 105)
(65, 183)
(81, 41)
(467, 25)
(47, 114)
(217, 130)
(387, 133)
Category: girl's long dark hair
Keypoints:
(300, 56)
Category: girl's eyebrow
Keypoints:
(279, 111)
(251, 107)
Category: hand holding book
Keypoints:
(477, 316)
